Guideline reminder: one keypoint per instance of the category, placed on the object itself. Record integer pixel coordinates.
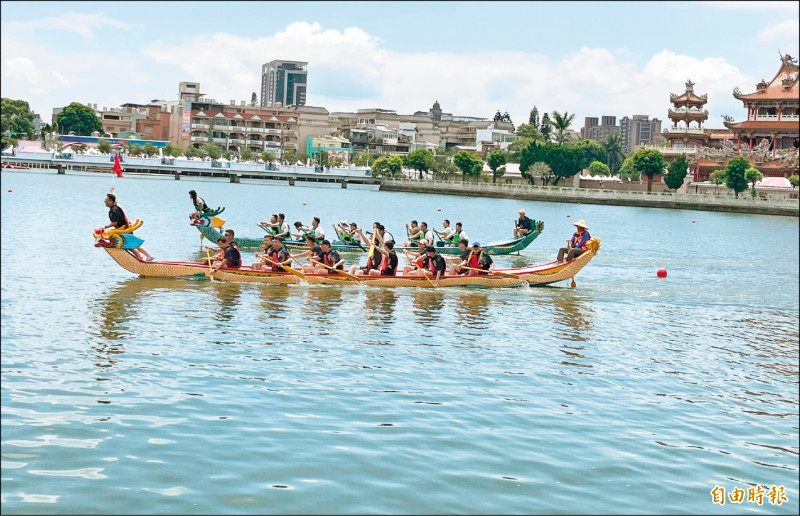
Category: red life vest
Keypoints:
(384, 261)
(473, 261)
(576, 239)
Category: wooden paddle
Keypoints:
(420, 269)
(343, 273)
(285, 267)
(208, 257)
(498, 273)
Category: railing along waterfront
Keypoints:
(187, 166)
(719, 202)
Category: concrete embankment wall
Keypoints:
(726, 203)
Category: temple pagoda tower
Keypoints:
(773, 112)
(687, 108)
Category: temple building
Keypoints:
(687, 109)
(769, 136)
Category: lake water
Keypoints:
(627, 394)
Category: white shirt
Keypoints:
(448, 233)
(463, 235)
(320, 234)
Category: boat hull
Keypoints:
(543, 274)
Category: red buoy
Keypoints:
(661, 273)
(567, 215)
(439, 209)
(9, 191)
(692, 222)
(304, 204)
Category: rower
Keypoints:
(447, 233)
(279, 255)
(329, 257)
(462, 259)
(314, 252)
(414, 233)
(259, 264)
(416, 257)
(432, 265)
(479, 259)
(388, 261)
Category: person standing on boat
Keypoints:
(120, 221)
(576, 245)
(232, 259)
(200, 205)
(259, 264)
(329, 257)
(447, 233)
(522, 226)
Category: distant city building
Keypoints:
(599, 132)
(639, 130)
(284, 83)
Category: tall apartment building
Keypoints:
(599, 132)
(639, 130)
(284, 83)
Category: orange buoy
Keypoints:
(661, 273)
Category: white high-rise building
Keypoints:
(283, 83)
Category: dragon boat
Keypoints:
(118, 244)
(208, 223)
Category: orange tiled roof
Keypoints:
(688, 95)
(767, 124)
(775, 88)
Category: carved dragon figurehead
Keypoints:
(207, 218)
(118, 238)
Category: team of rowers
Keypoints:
(382, 260)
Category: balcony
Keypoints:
(684, 130)
(199, 138)
(272, 144)
(273, 131)
(199, 126)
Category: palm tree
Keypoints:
(613, 149)
(561, 124)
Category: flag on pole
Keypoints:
(117, 166)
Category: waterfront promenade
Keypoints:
(356, 175)
(689, 201)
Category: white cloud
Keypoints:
(348, 70)
(789, 29)
(79, 23)
(759, 5)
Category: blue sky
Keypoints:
(586, 58)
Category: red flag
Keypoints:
(117, 166)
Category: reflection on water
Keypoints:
(473, 308)
(428, 305)
(228, 295)
(574, 315)
(379, 304)
(322, 304)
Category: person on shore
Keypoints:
(522, 226)
(259, 264)
(232, 258)
(120, 221)
(200, 205)
(462, 259)
(576, 245)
